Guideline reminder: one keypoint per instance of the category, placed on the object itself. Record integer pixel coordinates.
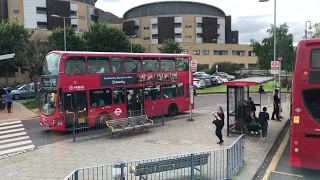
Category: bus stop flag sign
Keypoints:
(274, 67)
(193, 65)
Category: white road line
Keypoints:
(11, 127)
(12, 130)
(12, 135)
(9, 123)
(15, 144)
(16, 149)
(14, 139)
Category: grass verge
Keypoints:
(32, 104)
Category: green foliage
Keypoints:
(103, 37)
(316, 31)
(285, 82)
(74, 42)
(201, 67)
(209, 71)
(137, 48)
(171, 47)
(12, 36)
(227, 67)
(285, 49)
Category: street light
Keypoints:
(133, 36)
(275, 43)
(64, 27)
(306, 29)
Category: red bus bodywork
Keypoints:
(69, 89)
(305, 106)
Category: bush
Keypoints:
(208, 71)
(227, 67)
(285, 82)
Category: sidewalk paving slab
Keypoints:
(19, 112)
(175, 137)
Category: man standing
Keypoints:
(276, 105)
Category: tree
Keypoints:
(170, 46)
(137, 48)
(285, 49)
(74, 42)
(12, 35)
(316, 31)
(32, 55)
(227, 67)
(105, 38)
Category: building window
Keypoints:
(75, 27)
(74, 13)
(218, 36)
(199, 35)
(15, 11)
(136, 28)
(42, 25)
(196, 52)
(242, 66)
(154, 26)
(145, 28)
(154, 36)
(185, 51)
(220, 52)
(82, 17)
(238, 53)
(188, 26)
(41, 10)
(205, 52)
(252, 66)
(218, 26)
(188, 37)
(146, 38)
(200, 25)
(178, 35)
(177, 25)
(251, 53)
(82, 30)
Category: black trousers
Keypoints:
(276, 111)
(219, 133)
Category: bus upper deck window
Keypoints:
(182, 64)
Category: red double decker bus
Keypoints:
(85, 85)
(305, 106)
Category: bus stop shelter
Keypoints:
(237, 91)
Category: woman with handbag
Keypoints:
(219, 122)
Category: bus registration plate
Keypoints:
(81, 120)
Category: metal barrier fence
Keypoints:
(207, 165)
(88, 127)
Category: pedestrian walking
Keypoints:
(263, 121)
(219, 122)
(276, 106)
(8, 97)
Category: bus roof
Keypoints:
(309, 41)
(119, 53)
(251, 81)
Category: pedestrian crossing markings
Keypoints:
(13, 138)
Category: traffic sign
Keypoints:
(274, 67)
(193, 65)
(280, 58)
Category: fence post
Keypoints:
(73, 130)
(76, 175)
(192, 166)
(122, 165)
(228, 163)
(162, 112)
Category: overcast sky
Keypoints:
(250, 17)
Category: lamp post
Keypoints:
(275, 41)
(133, 36)
(64, 28)
(306, 29)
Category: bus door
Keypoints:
(152, 102)
(75, 106)
(134, 101)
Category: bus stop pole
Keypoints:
(190, 95)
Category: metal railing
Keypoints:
(206, 165)
(89, 127)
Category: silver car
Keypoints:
(24, 91)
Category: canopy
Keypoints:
(252, 81)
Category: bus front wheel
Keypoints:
(173, 110)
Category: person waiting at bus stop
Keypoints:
(276, 105)
(251, 106)
(252, 124)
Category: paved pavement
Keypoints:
(55, 161)
(19, 112)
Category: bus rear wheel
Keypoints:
(173, 110)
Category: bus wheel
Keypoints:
(173, 110)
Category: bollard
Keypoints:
(288, 101)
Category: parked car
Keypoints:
(24, 91)
(219, 80)
(206, 79)
(196, 74)
(225, 75)
(214, 81)
(199, 83)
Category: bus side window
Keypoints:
(152, 92)
(169, 91)
(180, 89)
(118, 95)
(75, 65)
(132, 64)
(98, 65)
(182, 64)
(100, 97)
(116, 64)
(150, 64)
(168, 64)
